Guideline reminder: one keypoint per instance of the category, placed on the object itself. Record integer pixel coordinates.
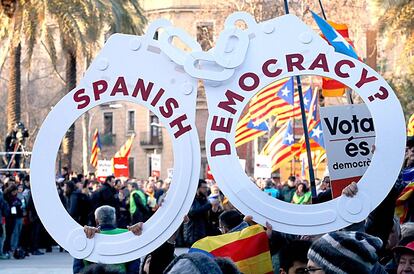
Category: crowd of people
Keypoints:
(383, 243)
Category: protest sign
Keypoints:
(262, 166)
(349, 138)
(156, 165)
(265, 63)
(103, 169)
(169, 94)
(121, 167)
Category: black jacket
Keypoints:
(79, 207)
(197, 227)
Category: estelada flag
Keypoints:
(337, 36)
(248, 249)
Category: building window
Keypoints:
(131, 120)
(131, 167)
(155, 128)
(108, 137)
(108, 122)
(205, 35)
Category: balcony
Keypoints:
(108, 139)
(150, 142)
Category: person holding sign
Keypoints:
(105, 218)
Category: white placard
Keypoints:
(104, 168)
(349, 136)
(155, 165)
(262, 167)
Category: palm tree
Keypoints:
(18, 21)
(80, 23)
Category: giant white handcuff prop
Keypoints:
(159, 76)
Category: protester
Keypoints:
(138, 204)
(286, 194)
(270, 189)
(14, 219)
(197, 226)
(106, 195)
(193, 263)
(4, 209)
(77, 203)
(151, 199)
(404, 255)
(345, 252)
(105, 218)
(293, 257)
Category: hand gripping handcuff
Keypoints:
(163, 78)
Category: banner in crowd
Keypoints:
(156, 165)
(349, 137)
(248, 249)
(103, 169)
(121, 167)
(262, 166)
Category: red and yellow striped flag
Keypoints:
(401, 205)
(96, 148)
(410, 126)
(248, 248)
(125, 149)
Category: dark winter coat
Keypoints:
(197, 227)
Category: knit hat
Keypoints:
(193, 263)
(345, 252)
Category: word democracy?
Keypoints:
(295, 62)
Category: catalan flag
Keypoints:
(265, 102)
(285, 152)
(96, 148)
(248, 249)
(125, 149)
(247, 131)
(337, 35)
(410, 126)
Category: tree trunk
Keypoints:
(68, 139)
(13, 98)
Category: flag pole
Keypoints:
(322, 9)
(348, 91)
(305, 127)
